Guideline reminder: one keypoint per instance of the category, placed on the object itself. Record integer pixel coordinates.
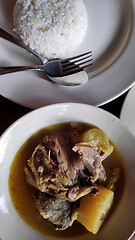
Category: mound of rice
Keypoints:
(53, 28)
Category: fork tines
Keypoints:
(77, 63)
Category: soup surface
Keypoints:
(22, 193)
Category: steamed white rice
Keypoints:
(53, 28)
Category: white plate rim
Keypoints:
(127, 114)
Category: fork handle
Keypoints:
(5, 70)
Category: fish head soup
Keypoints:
(62, 169)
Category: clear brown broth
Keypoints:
(21, 192)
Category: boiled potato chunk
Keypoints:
(93, 209)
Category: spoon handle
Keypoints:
(18, 42)
(5, 70)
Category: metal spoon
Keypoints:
(71, 80)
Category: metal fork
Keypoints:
(69, 80)
(56, 67)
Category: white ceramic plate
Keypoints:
(110, 35)
(127, 114)
(120, 224)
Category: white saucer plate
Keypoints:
(127, 114)
(110, 36)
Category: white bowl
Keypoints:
(121, 224)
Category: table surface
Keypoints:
(10, 112)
